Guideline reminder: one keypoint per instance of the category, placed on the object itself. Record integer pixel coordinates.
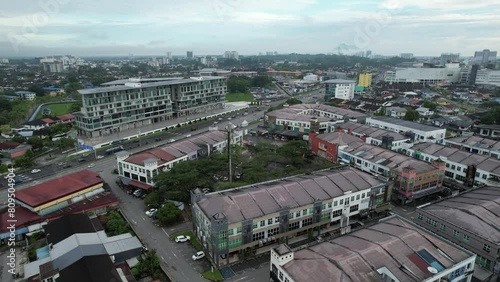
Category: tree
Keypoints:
(411, 115)
(262, 81)
(24, 162)
(75, 107)
(430, 105)
(168, 214)
(491, 117)
(116, 224)
(153, 199)
(238, 84)
(293, 101)
(19, 139)
(5, 129)
(381, 112)
(65, 142)
(36, 142)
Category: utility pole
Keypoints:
(139, 137)
(229, 130)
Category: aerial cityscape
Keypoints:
(249, 141)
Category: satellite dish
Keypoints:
(432, 270)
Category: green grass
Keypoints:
(237, 97)
(194, 241)
(213, 275)
(56, 109)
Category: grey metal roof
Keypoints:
(475, 142)
(265, 198)
(140, 80)
(476, 211)
(370, 131)
(337, 81)
(406, 123)
(143, 85)
(391, 243)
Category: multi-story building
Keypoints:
(307, 117)
(339, 89)
(491, 131)
(365, 79)
(394, 249)
(484, 57)
(449, 58)
(26, 95)
(413, 178)
(475, 145)
(142, 167)
(488, 77)
(373, 135)
(233, 222)
(450, 73)
(419, 132)
(52, 65)
(465, 168)
(133, 103)
(189, 54)
(469, 220)
(231, 55)
(395, 112)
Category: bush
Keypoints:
(168, 214)
(178, 125)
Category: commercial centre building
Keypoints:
(471, 220)
(339, 89)
(233, 222)
(475, 145)
(393, 250)
(133, 103)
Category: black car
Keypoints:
(67, 166)
(194, 128)
(81, 160)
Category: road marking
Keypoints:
(165, 232)
(143, 218)
(240, 278)
(162, 258)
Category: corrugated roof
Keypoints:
(260, 199)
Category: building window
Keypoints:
(442, 227)
(456, 233)
(352, 198)
(341, 202)
(354, 208)
(325, 216)
(293, 226)
(329, 205)
(262, 223)
(358, 196)
(337, 213)
(486, 248)
(238, 230)
(363, 196)
(277, 219)
(270, 221)
(483, 262)
(281, 275)
(258, 236)
(420, 216)
(230, 232)
(304, 212)
(254, 225)
(335, 203)
(466, 238)
(307, 222)
(290, 215)
(297, 214)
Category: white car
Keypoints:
(100, 157)
(182, 239)
(36, 170)
(151, 212)
(198, 255)
(91, 165)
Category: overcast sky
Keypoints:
(154, 27)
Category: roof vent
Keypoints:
(432, 270)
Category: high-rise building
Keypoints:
(368, 53)
(484, 57)
(189, 54)
(132, 103)
(449, 58)
(231, 55)
(169, 55)
(450, 73)
(406, 55)
(365, 79)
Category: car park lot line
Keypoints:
(165, 232)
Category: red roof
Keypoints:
(24, 217)
(157, 153)
(415, 101)
(48, 120)
(18, 153)
(57, 188)
(9, 145)
(66, 117)
(139, 184)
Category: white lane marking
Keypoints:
(165, 232)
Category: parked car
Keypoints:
(100, 157)
(17, 181)
(182, 239)
(36, 170)
(138, 193)
(91, 165)
(81, 160)
(61, 164)
(194, 128)
(198, 255)
(67, 165)
(151, 212)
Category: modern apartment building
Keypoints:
(471, 221)
(365, 79)
(393, 250)
(484, 57)
(232, 223)
(450, 73)
(339, 89)
(413, 179)
(374, 135)
(133, 103)
(488, 77)
(464, 168)
(140, 168)
(419, 132)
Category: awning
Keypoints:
(140, 185)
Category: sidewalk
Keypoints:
(157, 127)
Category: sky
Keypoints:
(154, 27)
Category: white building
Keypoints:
(143, 166)
(339, 89)
(231, 55)
(421, 132)
(484, 57)
(26, 95)
(394, 249)
(476, 145)
(488, 77)
(450, 73)
(311, 77)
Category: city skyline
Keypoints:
(390, 27)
